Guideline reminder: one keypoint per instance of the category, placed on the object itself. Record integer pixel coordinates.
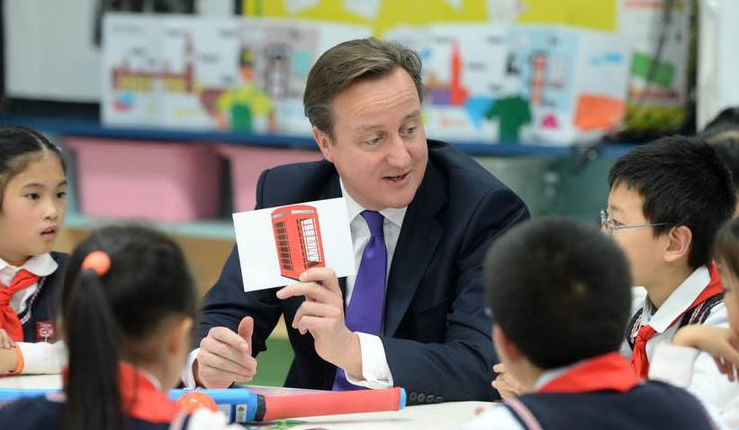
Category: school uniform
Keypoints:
(602, 392)
(35, 308)
(675, 365)
(144, 404)
(698, 300)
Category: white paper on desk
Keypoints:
(329, 244)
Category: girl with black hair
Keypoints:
(33, 189)
(127, 306)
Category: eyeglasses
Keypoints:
(610, 226)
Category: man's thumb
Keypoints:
(246, 329)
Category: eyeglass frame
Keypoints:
(610, 228)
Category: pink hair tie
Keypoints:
(97, 261)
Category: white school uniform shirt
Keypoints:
(676, 365)
(376, 372)
(38, 357)
(707, 384)
(40, 265)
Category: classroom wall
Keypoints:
(50, 53)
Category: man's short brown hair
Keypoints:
(348, 62)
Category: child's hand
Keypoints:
(506, 384)
(5, 340)
(721, 343)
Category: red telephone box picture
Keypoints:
(297, 239)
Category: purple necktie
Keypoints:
(364, 312)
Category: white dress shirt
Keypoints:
(707, 384)
(375, 369)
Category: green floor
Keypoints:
(273, 363)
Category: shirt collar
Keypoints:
(609, 371)
(394, 215)
(40, 265)
(552, 374)
(679, 301)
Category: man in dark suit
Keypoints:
(422, 215)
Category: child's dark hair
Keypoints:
(147, 282)
(19, 146)
(727, 246)
(682, 182)
(723, 134)
(559, 290)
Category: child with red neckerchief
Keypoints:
(128, 306)
(560, 297)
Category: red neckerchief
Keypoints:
(639, 355)
(714, 288)
(8, 319)
(141, 398)
(607, 372)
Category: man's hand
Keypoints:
(322, 315)
(225, 356)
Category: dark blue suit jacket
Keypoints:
(436, 334)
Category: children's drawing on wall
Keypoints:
(572, 83)
(214, 73)
(276, 245)
(464, 68)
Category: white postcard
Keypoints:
(277, 244)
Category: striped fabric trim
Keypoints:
(28, 312)
(524, 414)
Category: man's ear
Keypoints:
(678, 245)
(507, 351)
(324, 143)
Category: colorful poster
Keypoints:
(378, 15)
(211, 73)
(574, 81)
(588, 14)
(659, 32)
(463, 71)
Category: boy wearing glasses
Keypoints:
(667, 200)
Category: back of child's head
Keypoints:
(723, 134)
(110, 313)
(19, 146)
(727, 247)
(559, 290)
(682, 181)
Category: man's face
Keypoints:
(378, 144)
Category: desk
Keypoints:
(440, 416)
(47, 382)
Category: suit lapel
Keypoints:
(419, 237)
(332, 189)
